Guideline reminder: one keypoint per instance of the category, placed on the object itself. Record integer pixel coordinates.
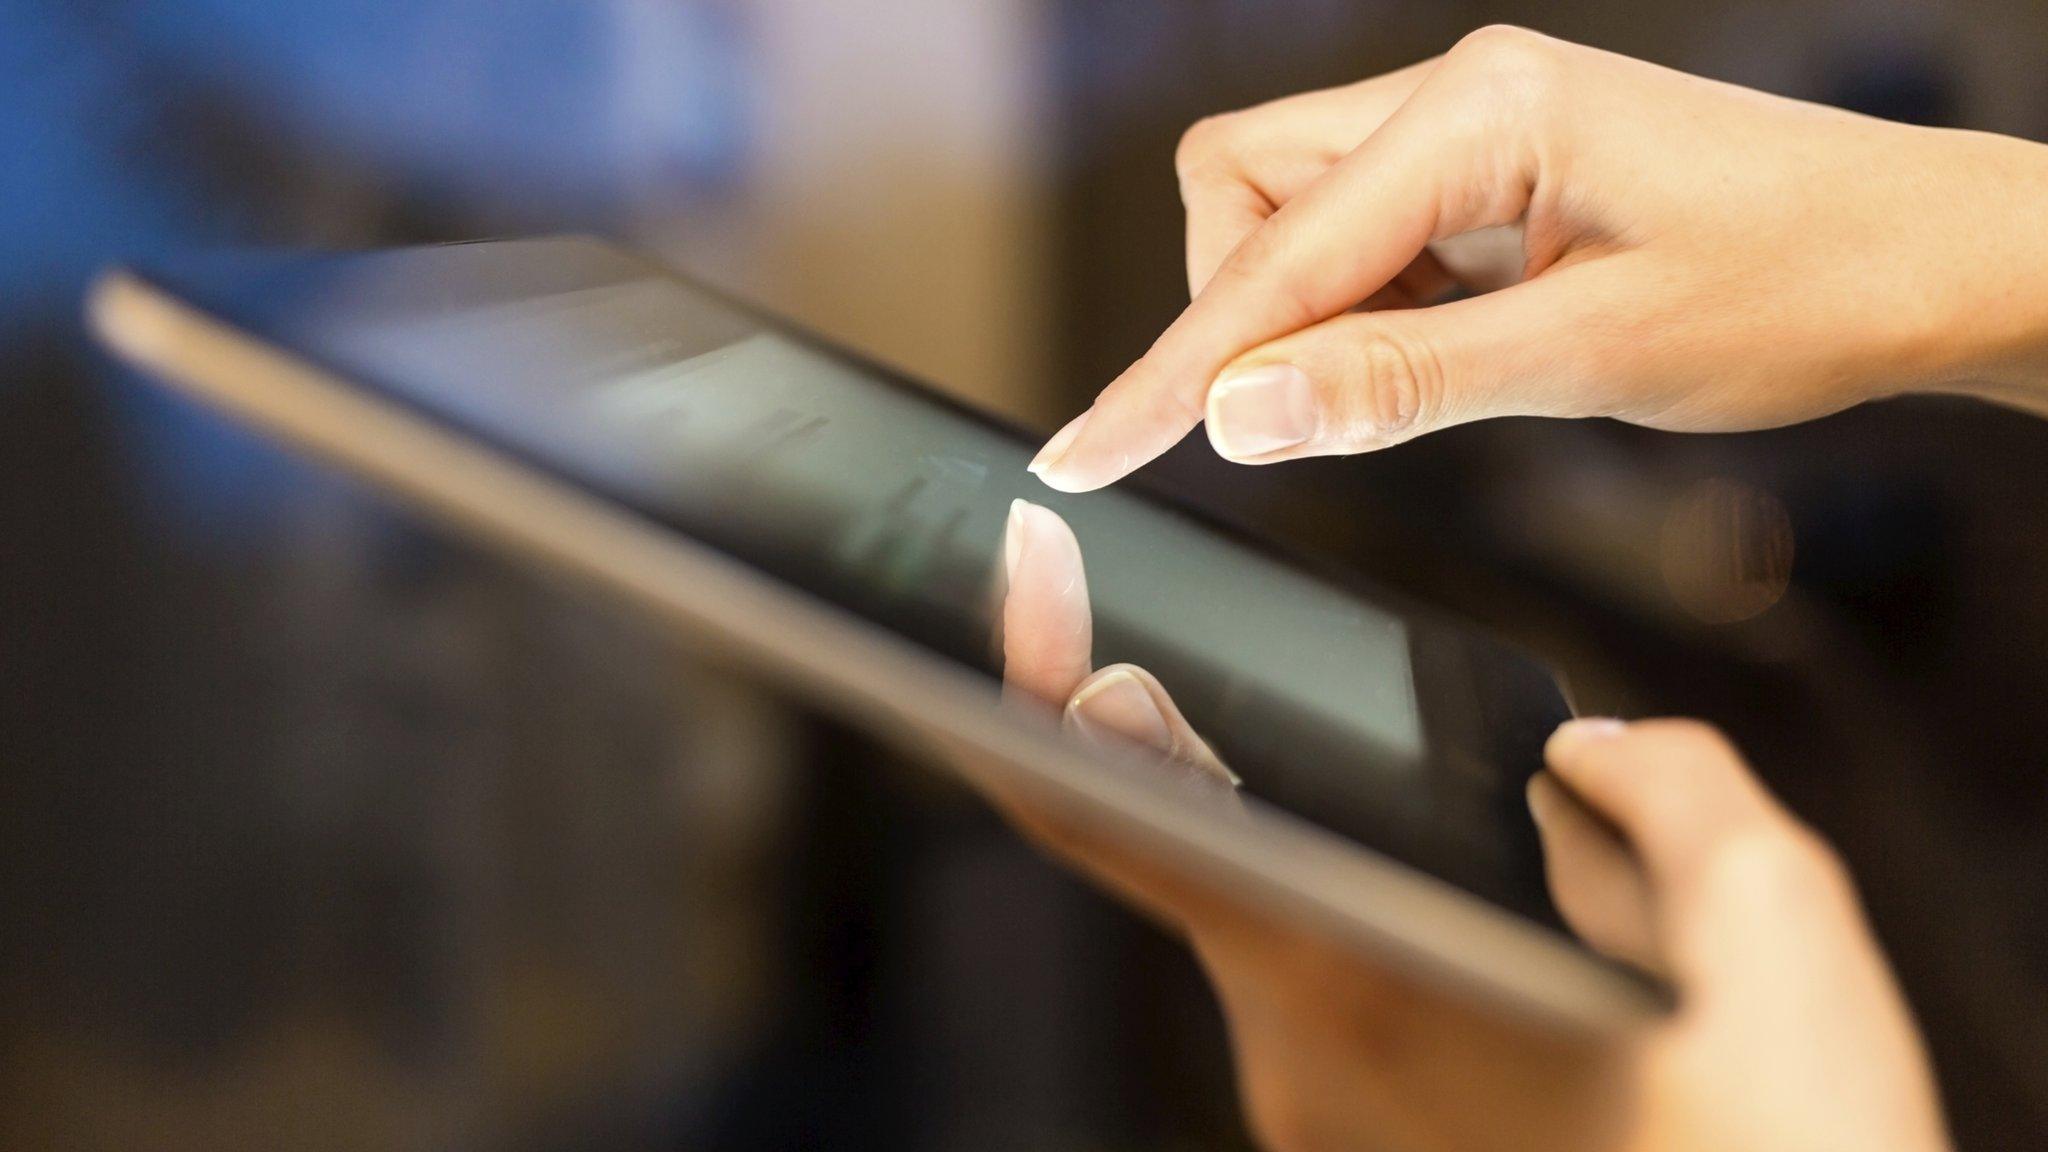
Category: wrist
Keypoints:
(1984, 277)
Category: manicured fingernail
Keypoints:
(1057, 446)
(1259, 410)
(1117, 705)
(1013, 538)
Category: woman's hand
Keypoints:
(1790, 1033)
(1694, 256)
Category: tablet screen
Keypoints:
(1405, 733)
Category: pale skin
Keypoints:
(1694, 257)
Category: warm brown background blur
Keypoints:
(321, 830)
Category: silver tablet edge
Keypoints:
(1427, 929)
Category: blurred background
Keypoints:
(319, 829)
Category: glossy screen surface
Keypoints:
(1405, 733)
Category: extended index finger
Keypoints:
(1446, 162)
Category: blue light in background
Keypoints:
(524, 113)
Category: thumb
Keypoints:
(1749, 903)
(1126, 704)
(1759, 925)
(1368, 380)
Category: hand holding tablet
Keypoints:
(1690, 256)
(834, 527)
(1791, 1034)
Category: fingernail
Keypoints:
(1260, 410)
(1013, 539)
(1057, 446)
(1119, 706)
(1586, 729)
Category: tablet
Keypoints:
(833, 527)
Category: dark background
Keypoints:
(321, 830)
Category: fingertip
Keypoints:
(1056, 448)
(1594, 880)
(1094, 455)
(1014, 532)
(1046, 625)
(1574, 737)
(1083, 468)
(1065, 480)
(1671, 787)
(1142, 413)
(1034, 528)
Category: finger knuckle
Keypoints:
(1815, 867)
(1499, 43)
(1781, 865)
(1398, 384)
(1202, 144)
(1512, 63)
